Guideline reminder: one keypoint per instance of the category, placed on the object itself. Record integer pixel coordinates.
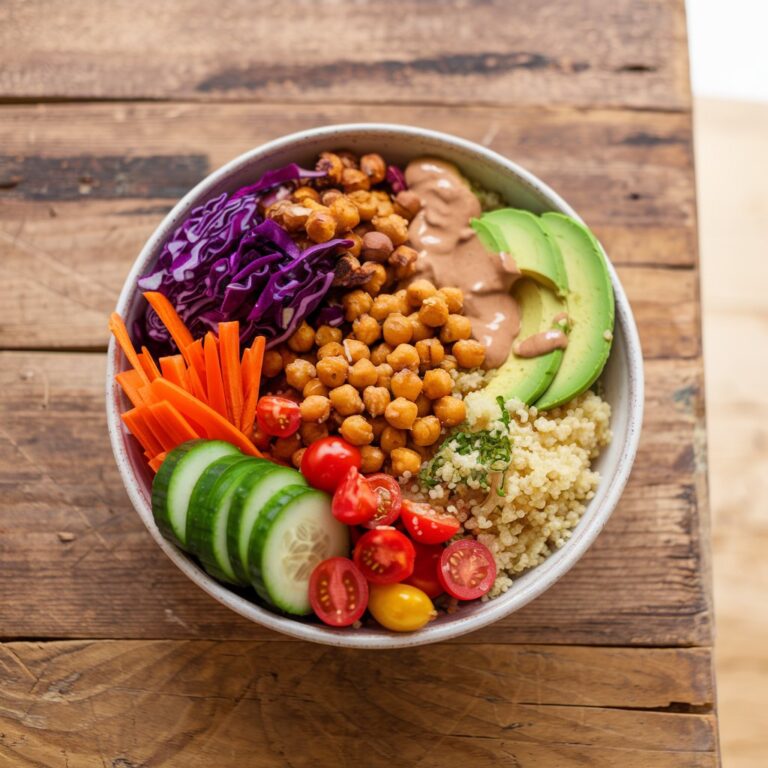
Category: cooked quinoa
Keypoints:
(531, 509)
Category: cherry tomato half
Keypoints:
(400, 607)
(338, 592)
(389, 497)
(427, 525)
(326, 461)
(467, 569)
(384, 555)
(354, 501)
(278, 416)
(425, 569)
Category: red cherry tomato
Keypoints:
(384, 555)
(278, 416)
(425, 569)
(467, 569)
(338, 592)
(326, 461)
(389, 498)
(354, 501)
(427, 525)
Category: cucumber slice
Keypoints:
(293, 533)
(175, 481)
(250, 497)
(209, 510)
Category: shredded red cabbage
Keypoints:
(396, 179)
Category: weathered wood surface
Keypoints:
(642, 583)
(176, 703)
(590, 53)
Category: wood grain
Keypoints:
(644, 582)
(317, 51)
(210, 703)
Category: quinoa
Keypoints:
(529, 510)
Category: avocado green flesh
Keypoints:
(590, 310)
(526, 378)
(520, 234)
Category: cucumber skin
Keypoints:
(202, 514)
(260, 534)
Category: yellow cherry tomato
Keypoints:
(400, 607)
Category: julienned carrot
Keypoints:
(176, 426)
(149, 365)
(229, 351)
(139, 429)
(245, 372)
(195, 357)
(214, 425)
(214, 383)
(131, 382)
(157, 426)
(120, 332)
(170, 319)
(174, 369)
(157, 461)
(255, 361)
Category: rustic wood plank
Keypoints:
(202, 703)
(642, 583)
(309, 51)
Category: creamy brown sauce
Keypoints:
(451, 254)
(540, 343)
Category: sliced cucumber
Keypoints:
(175, 481)
(293, 533)
(209, 510)
(250, 497)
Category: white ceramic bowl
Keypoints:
(622, 378)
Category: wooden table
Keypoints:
(110, 656)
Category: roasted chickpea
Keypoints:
(383, 306)
(311, 431)
(330, 164)
(330, 196)
(356, 303)
(384, 205)
(401, 413)
(379, 424)
(450, 410)
(393, 226)
(321, 226)
(469, 353)
(425, 431)
(449, 363)
(303, 338)
(293, 216)
(299, 373)
(453, 297)
(326, 333)
(405, 460)
(397, 329)
(433, 311)
(288, 356)
(346, 400)
(403, 356)
(384, 375)
(353, 179)
(437, 383)
(366, 329)
(407, 203)
(356, 430)
(392, 438)
(378, 277)
(376, 246)
(355, 350)
(420, 331)
(456, 328)
(330, 349)
(297, 456)
(285, 447)
(374, 167)
(357, 244)
(404, 306)
(306, 193)
(346, 214)
(362, 374)
(431, 353)
(314, 387)
(332, 371)
(376, 400)
(380, 353)
(315, 408)
(406, 384)
(273, 363)
(403, 260)
(348, 159)
(424, 405)
(366, 204)
(371, 459)
(419, 290)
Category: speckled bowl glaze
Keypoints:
(622, 378)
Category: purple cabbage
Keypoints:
(396, 179)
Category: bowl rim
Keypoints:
(550, 571)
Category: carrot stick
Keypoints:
(215, 384)
(149, 365)
(137, 426)
(120, 332)
(197, 412)
(229, 350)
(255, 362)
(157, 461)
(176, 426)
(130, 382)
(195, 357)
(170, 319)
(174, 369)
(246, 371)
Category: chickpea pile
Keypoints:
(382, 380)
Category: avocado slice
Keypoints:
(526, 378)
(590, 310)
(520, 234)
